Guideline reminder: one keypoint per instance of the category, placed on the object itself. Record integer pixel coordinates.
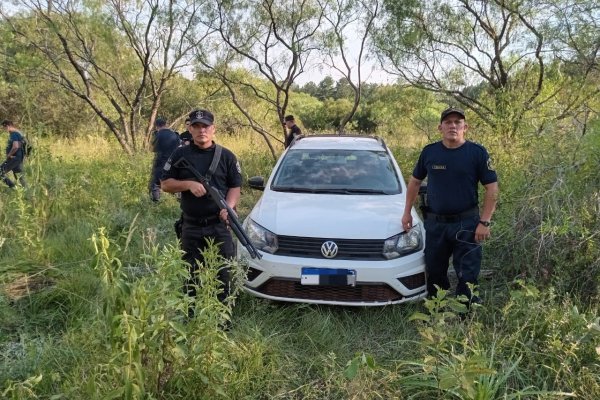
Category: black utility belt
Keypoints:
(202, 221)
(453, 217)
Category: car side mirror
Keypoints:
(257, 182)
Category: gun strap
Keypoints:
(214, 162)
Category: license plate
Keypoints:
(328, 276)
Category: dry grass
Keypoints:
(25, 285)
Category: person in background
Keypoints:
(294, 130)
(163, 143)
(15, 155)
(186, 137)
(454, 225)
(203, 220)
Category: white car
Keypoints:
(328, 227)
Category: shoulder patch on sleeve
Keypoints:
(237, 166)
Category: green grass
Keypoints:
(103, 319)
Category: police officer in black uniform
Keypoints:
(294, 132)
(453, 223)
(15, 155)
(163, 143)
(186, 137)
(202, 219)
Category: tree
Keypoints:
(574, 28)
(117, 56)
(272, 39)
(326, 88)
(345, 16)
(450, 46)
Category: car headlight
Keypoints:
(403, 243)
(262, 238)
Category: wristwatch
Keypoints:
(485, 223)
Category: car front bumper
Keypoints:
(378, 283)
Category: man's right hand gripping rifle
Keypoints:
(216, 196)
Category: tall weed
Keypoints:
(461, 361)
(547, 220)
(155, 347)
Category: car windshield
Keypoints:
(336, 171)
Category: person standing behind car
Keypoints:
(454, 227)
(15, 155)
(294, 132)
(164, 142)
(202, 218)
(186, 137)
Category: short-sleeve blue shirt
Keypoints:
(453, 175)
(15, 136)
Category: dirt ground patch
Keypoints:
(25, 285)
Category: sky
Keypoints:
(371, 73)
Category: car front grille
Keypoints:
(361, 293)
(348, 249)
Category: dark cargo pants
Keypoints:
(16, 166)
(456, 240)
(194, 240)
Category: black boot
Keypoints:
(8, 182)
(155, 195)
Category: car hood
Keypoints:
(329, 215)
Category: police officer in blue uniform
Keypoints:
(164, 142)
(454, 224)
(202, 219)
(15, 155)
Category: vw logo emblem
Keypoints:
(329, 249)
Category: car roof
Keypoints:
(340, 142)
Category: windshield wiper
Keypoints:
(293, 189)
(366, 191)
(296, 189)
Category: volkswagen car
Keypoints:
(328, 227)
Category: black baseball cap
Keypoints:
(452, 110)
(201, 116)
